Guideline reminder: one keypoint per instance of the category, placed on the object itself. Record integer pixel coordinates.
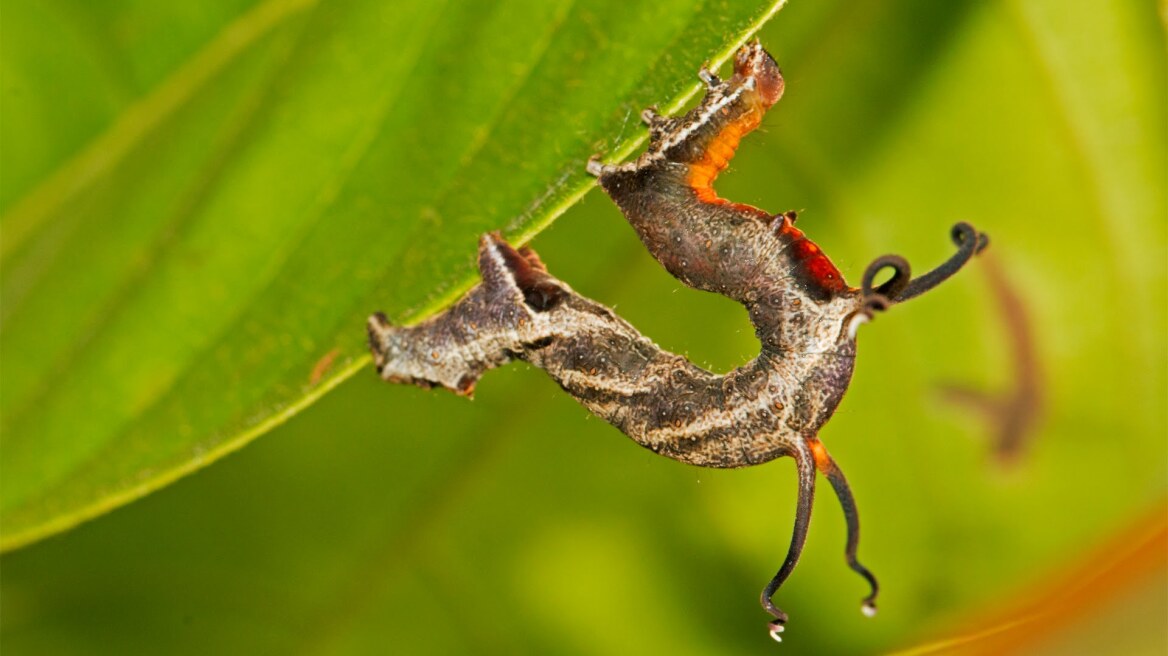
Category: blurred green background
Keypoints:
(390, 519)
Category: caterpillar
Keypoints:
(803, 312)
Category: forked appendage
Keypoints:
(902, 286)
(812, 456)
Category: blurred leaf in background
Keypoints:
(315, 165)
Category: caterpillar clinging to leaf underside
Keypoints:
(804, 314)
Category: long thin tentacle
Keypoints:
(901, 288)
(843, 491)
(805, 463)
(969, 243)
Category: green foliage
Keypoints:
(199, 271)
(201, 203)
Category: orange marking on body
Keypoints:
(822, 460)
(718, 154)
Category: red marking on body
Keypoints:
(814, 261)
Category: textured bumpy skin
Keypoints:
(804, 314)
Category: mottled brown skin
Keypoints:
(804, 314)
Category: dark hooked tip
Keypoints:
(902, 286)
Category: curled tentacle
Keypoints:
(805, 462)
(901, 287)
(835, 476)
(901, 274)
(876, 303)
(969, 243)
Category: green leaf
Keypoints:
(200, 269)
(516, 523)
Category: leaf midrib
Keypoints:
(223, 446)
